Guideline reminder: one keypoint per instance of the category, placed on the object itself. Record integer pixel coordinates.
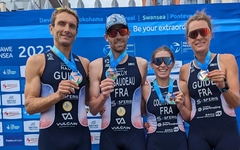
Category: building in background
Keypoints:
(17, 5)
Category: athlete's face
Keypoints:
(201, 43)
(65, 29)
(118, 43)
(163, 70)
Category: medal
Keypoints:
(76, 76)
(202, 75)
(170, 92)
(168, 96)
(112, 73)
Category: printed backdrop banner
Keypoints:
(25, 33)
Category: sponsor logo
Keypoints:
(12, 126)
(213, 64)
(120, 121)
(159, 124)
(27, 116)
(67, 116)
(66, 124)
(31, 126)
(131, 64)
(95, 137)
(22, 71)
(50, 56)
(11, 99)
(76, 59)
(218, 113)
(12, 113)
(94, 124)
(1, 128)
(121, 128)
(10, 86)
(9, 72)
(31, 139)
(1, 140)
(67, 106)
(124, 102)
(175, 47)
(175, 129)
(121, 111)
(113, 103)
(13, 140)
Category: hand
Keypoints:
(107, 87)
(217, 76)
(102, 111)
(179, 99)
(65, 87)
(147, 126)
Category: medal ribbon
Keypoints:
(114, 63)
(158, 91)
(71, 64)
(204, 66)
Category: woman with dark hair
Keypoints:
(213, 86)
(167, 104)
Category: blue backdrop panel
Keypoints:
(25, 33)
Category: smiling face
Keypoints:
(64, 30)
(200, 43)
(119, 43)
(163, 70)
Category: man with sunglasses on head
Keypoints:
(214, 90)
(55, 87)
(115, 86)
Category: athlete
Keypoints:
(167, 104)
(56, 82)
(115, 84)
(212, 86)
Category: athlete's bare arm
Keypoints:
(33, 103)
(143, 66)
(106, 86)
(184, 104)
(85, 62)
(229, 70)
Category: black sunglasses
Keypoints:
(159, 60)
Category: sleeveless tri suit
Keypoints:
(122, 126)
(213, 123)
(64, 126)
(166, 130)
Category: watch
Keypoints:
(225, 88)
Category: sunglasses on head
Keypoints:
(113, 33)
(202, 31)
(159, 60)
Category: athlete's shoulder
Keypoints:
(83, 60)
(141, 61)
(226, 58)
(36, 59)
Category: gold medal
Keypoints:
(202, 75)
(67, 106)
(121, 111)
